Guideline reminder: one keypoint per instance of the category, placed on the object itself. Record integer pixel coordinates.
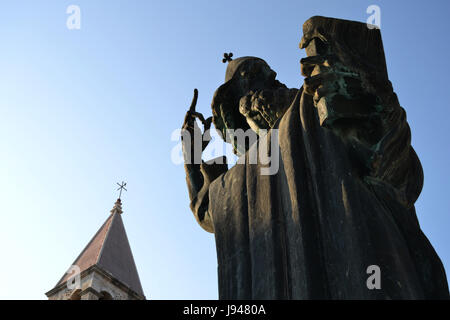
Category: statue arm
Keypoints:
(368, 116)
(198, 180)
(199, 174)
(394, 159)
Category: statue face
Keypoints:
(252, 98)
(255, 74)
(262, 100)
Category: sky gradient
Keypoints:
(83, 109)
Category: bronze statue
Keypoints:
(343, 196)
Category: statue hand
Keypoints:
(337, 91)
(326, 76)
(190, 126)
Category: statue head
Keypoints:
(251, 97)
(251, 69)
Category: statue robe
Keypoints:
(311, 230)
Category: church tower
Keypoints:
(105, 269)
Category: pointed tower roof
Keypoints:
(110, 251)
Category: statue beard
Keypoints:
(256, 110)
(263, 108)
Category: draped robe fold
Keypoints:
(311, 230)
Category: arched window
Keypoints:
(106, 296)
(76, 295)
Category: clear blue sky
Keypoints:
(82, 109)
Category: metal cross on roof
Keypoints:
(121, 187)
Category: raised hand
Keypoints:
(199, 174)
(192, 136)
